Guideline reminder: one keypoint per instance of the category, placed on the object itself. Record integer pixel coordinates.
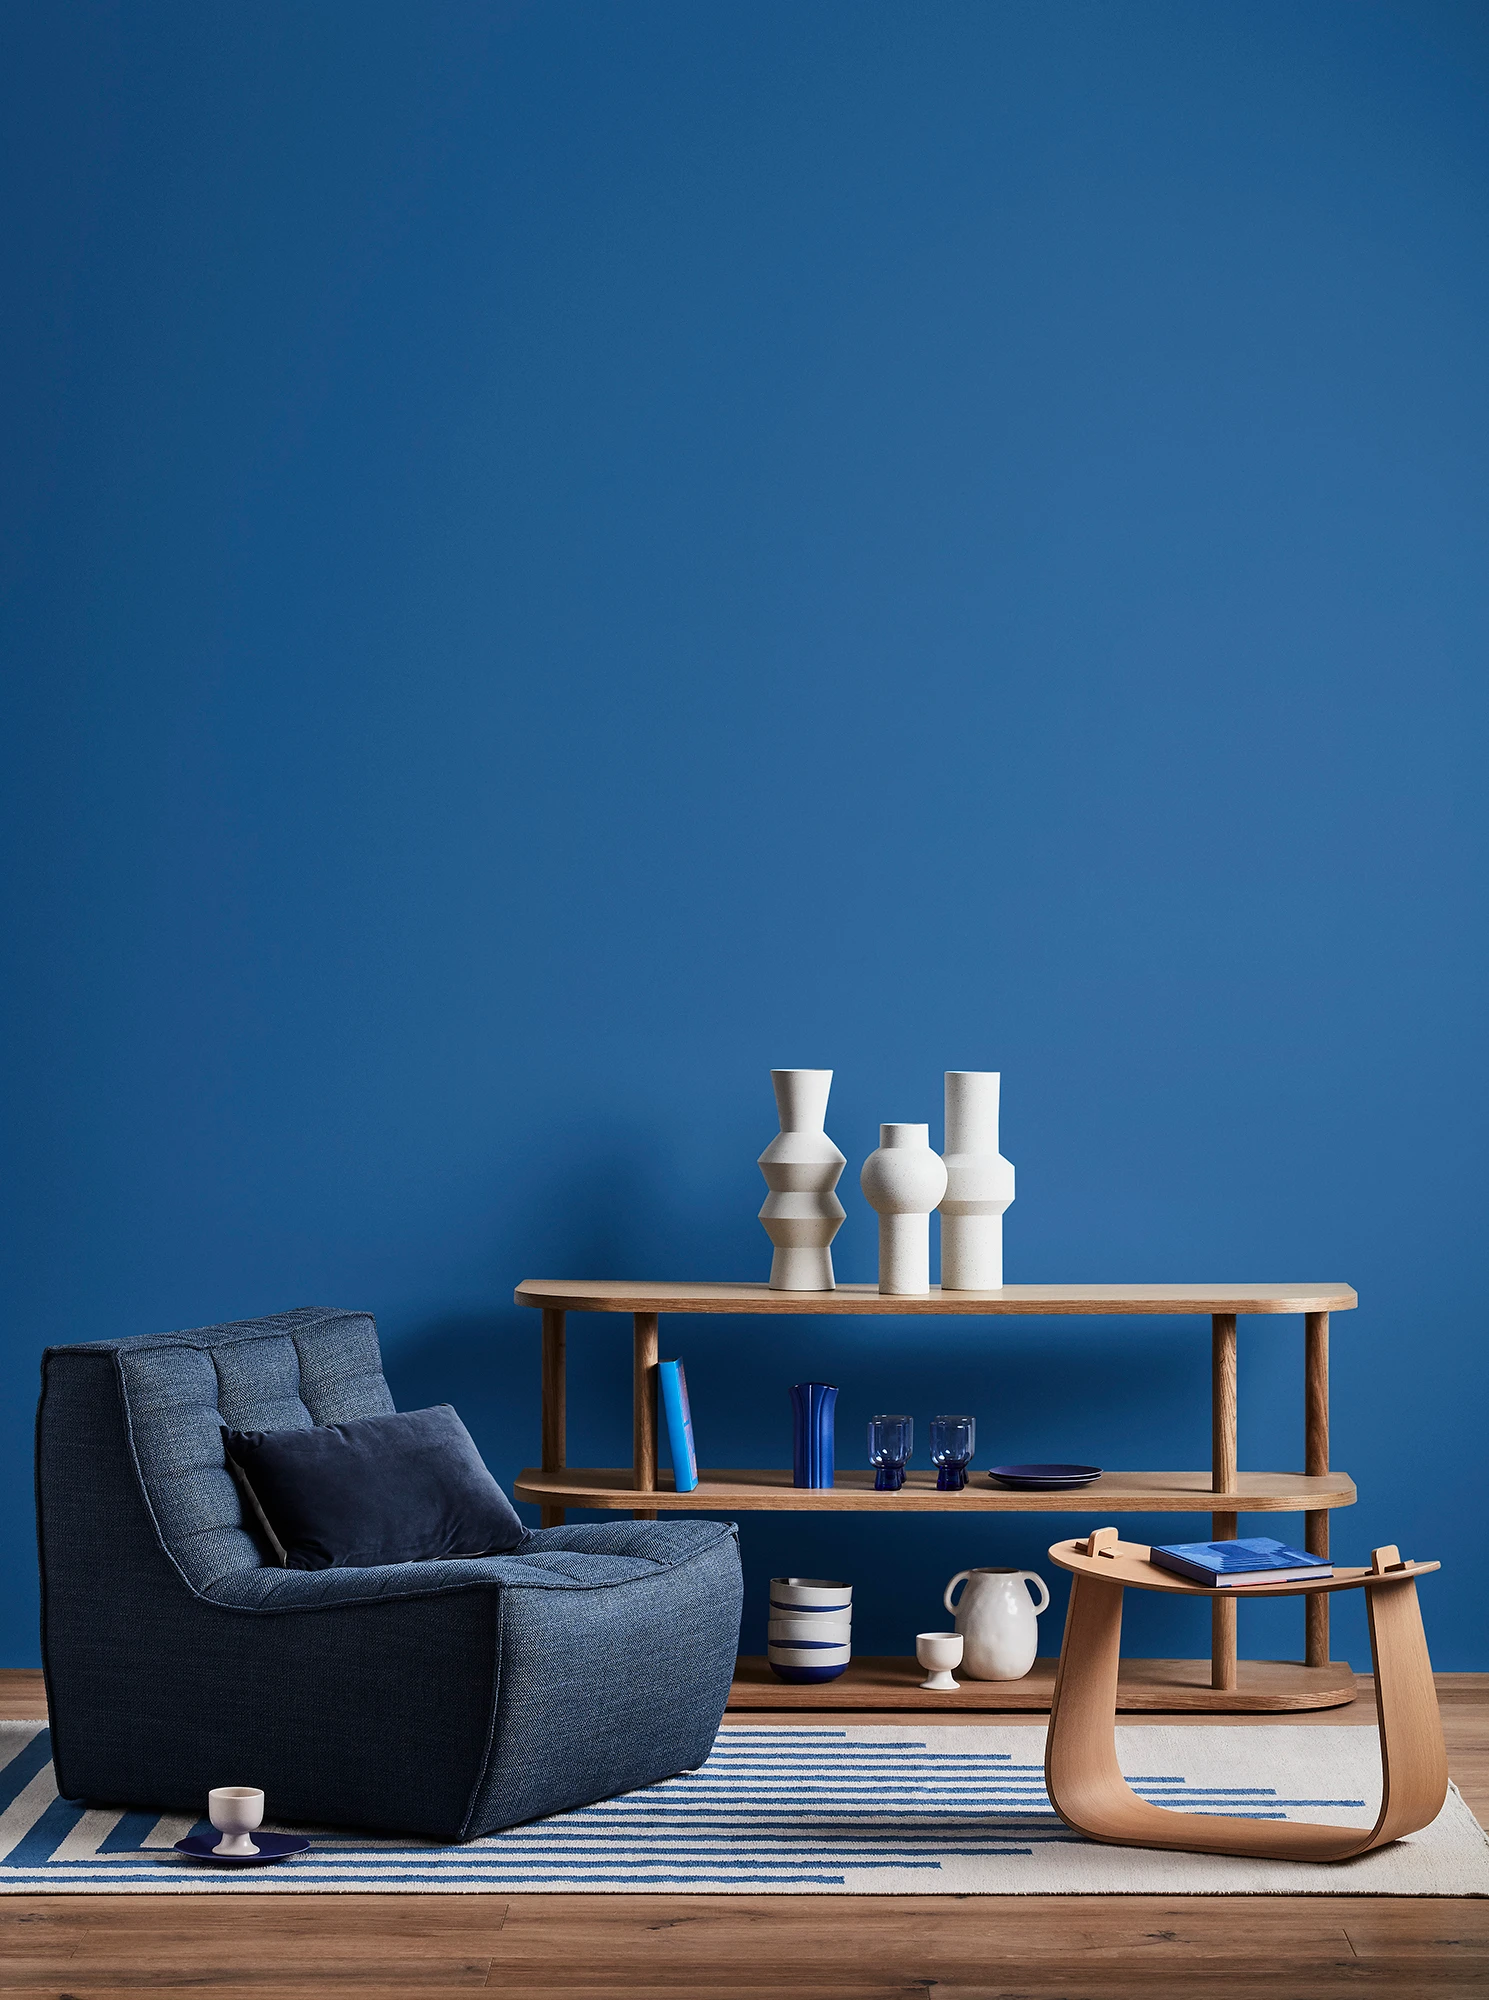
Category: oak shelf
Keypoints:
(1164, 1687)
(1224, 1492)
(769, 1489)
(607, 1295)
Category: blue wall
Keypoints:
(559, 556)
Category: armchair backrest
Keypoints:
(171, 1395)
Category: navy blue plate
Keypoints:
(271, 1847)
(1043, 1478)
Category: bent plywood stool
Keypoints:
(1085, 1783)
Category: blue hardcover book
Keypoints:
(1230, 1565)
(674, 1387)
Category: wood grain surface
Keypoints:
(1128, 1563)
(1162, 1685)
(628, 1295)
(769, 1488)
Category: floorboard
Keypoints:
(763, 1948)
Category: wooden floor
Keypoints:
(759, 1948)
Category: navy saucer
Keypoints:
(271, 1847)
(1043, 1478)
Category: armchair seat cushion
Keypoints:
(607, 1553)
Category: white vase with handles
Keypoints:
(801, 1165)
(903, 1181)
(998, 1622)
(979, 1184)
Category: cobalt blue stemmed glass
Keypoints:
(953, 1440)
(891, 1441)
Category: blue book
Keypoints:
(674, 1388)
(1231, 1565)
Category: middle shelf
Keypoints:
(769, 1488)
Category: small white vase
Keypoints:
(979, 1184)
(801, 1165)
(904, 1180)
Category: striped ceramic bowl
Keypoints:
(827, 1628)
(795, 1594)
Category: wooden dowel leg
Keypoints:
(1223, 1480)
(644, 1412)
(555, 1414)
(1316, 1460)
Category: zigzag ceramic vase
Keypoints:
(801, 1214)
(979, 1184)
(904, 1180)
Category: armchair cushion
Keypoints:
(406, 1487)
(582, 1558)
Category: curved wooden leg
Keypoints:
(1412, 1753)
(1081, 1773)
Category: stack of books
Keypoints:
(1233, 1565)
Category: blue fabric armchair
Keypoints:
(445, 1698)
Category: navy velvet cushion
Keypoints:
(402, 1488)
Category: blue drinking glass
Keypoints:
(891, 1442)
(953, 1440)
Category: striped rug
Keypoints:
(869, 1811)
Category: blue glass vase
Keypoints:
(812, 1407)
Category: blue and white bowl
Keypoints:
(808, 1663)
(809, 1593)
(829, 1629)
(809, 1637)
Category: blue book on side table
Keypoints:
(674, 1388)
(1231, 1565)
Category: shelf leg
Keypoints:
(644, 1412)
(555, 1422)
(1223, 1480)
(1316, 1460)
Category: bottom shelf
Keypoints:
(1164, 1685)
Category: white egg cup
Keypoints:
(236, 1811)
(940, 1652)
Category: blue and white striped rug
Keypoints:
(949, 1810)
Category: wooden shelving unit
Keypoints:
(1223, 1685)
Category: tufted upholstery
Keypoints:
(445, 1698)
(286, 1373)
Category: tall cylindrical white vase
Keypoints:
(801, 1214)
(979, 1184)
(903, 1181)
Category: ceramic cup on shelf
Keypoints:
(236, 1811)
(938, 1653)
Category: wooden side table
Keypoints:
(1222, 1491)
(1085, 1782)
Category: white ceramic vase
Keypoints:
(979, 1184)
(903, 1181)
(801, 1165)
(998, 1623)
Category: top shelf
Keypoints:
(603, 1295)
